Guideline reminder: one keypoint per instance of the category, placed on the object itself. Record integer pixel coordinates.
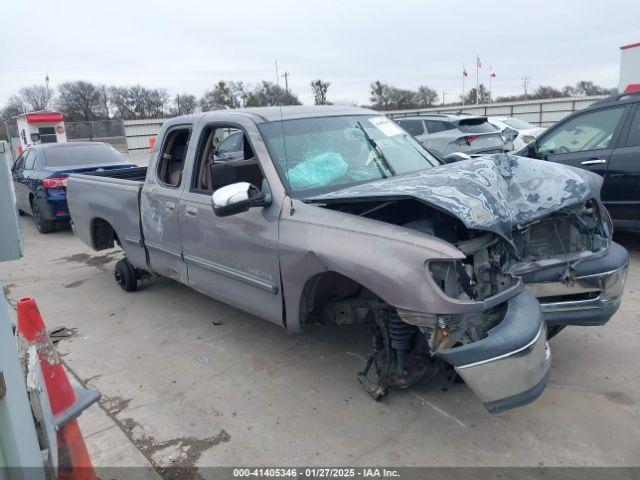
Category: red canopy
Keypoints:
(45, 117)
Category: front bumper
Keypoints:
(509, 367)
(589, 295)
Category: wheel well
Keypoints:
(103, 235)
(330, 298)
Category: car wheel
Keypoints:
(126, 276)
(43, 226)
(554, 330)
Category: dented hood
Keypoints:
(493, 192)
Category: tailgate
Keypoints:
(97, 202)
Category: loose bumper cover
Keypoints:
(587, 292)
(509, 367)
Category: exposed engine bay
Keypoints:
(405, 344)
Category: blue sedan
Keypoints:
(40, 177)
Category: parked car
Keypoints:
(40, 177)
(337, 216)
(519, 132)
(603, 138)
(447, 134)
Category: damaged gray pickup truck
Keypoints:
(333, 216)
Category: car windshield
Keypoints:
(72, 155)
(518, 124)
(318, 155)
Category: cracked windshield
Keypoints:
(318, 155)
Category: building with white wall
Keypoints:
(629, 68)
(40, 127)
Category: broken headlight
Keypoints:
(454, 278)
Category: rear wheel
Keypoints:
(43, 225)
(126, 276)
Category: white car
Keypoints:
(518, 131)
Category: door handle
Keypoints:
(191, 212)
(170, 207)
(595, 161)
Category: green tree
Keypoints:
(270, 94)
(320, 92)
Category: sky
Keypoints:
(187, 45)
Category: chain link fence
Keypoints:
(108, 131)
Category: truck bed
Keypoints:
(106, 205)
(137, 174)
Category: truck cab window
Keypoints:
(172, 155)
(224, 157)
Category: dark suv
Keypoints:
(603, 138)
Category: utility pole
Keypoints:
(443, 94)
(46, 81)
(525, 81)
(277, 76)
(285, 75)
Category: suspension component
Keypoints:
(401, 334)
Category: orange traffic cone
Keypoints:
(74, 462)
(32, 331)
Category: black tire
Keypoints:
(554, 330)
(126, 276)
(43, 225)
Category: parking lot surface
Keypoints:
(190, 381)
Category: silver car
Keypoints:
(444, 134)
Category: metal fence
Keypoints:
(139, 132)
(108, 131)
(543, 113)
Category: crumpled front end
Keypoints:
(569, 262)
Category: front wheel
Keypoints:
(126, 276)
(43, 225)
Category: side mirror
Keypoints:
(237, 198)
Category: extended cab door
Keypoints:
(235, 258)
(159, 204)
(622, 187)
(585, 140)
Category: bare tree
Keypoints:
(184, 104)
(425, 97)
(35, 97)
(240, 91)
(138, 102)
(81, 100)
(320, 92)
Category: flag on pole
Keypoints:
(492, 74)
(479, 63)
(464, 72)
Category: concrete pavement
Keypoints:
(190, 381)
